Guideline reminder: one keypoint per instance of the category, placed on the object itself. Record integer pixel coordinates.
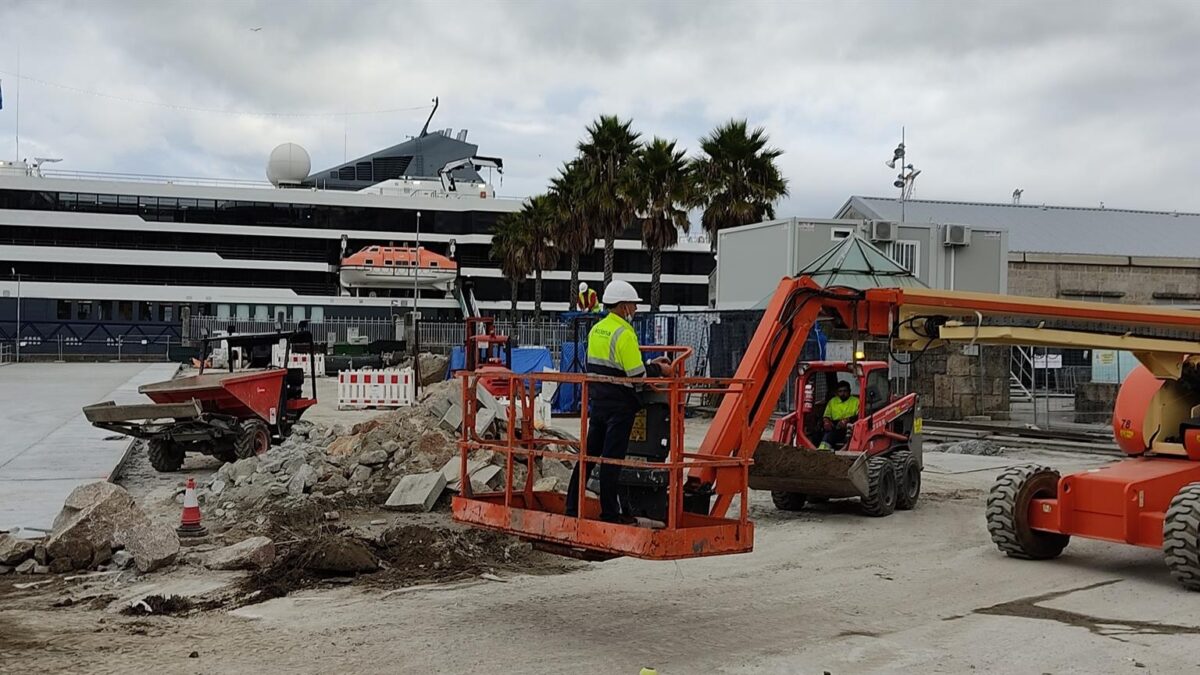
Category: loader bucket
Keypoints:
(820, 473)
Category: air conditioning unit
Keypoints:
(956, 235)
(883, 230)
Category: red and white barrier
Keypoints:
(295, 360)
(367, 388)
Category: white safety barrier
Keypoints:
(541, 403)
(295, 360)
(367, 388)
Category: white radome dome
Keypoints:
(289, 164)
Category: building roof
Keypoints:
(1049, 229)
(855, 263)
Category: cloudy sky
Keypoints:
(1076, 102)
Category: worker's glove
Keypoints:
(828, 424)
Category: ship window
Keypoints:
(387, 262)
(297, 313)
(317, 315)
(260, 313)
(83, 310)
(370, 261)
(363, 170)
(125, 310)
(204, 309)
(145, 312)
(433, 263)
(243, 311)
(222, 311)
(166, 312)
(67, 201)
(346, 173)
(333, 174)
(127, 203)
(64, 310)
(104, 310)
(86, 202)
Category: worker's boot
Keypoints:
(824, 446)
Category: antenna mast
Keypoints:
(425, 129)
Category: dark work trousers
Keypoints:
(835, 436)
(608, 437)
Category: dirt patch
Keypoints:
(170, 605)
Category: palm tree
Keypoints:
(508, 247)
(572, 235)
(659, 183)
(606, 154)
(736, 179)
(539, 224)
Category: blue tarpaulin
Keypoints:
(525, 360)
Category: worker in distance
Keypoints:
(613, 350)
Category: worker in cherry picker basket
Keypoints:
(840, 414)
(613, 350)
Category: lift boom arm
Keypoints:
(919, 319)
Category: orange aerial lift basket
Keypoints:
(687, 530)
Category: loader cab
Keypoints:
(816, 385)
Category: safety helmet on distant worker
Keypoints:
(583, 286)
(618, 291)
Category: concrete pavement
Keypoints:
(47, 448)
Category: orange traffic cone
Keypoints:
(189, 523)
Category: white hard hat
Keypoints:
(618, 291)
(582, 286)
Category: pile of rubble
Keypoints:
(968, 447)
(404, 459)
(99, 525)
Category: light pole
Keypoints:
(907, 176)
(416, 267)
(17, 357)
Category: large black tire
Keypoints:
(1181, 537)
(881, 488)
(1008, 513)
(908, 479)
(788, 501)
(254, 438)
(165, 455)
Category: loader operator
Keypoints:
(840, 413)
(613, 350)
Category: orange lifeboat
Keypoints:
(397, 267)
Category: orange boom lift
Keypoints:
(1149, 499)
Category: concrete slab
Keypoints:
(947, 463)
(47, 448)
(417, 492)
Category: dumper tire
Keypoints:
(908, 479)
(165, 455)
(1181, 537)
(254, 438)
(1008, 513)
(882, 489)
(788, 501)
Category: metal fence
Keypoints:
(441, 337)
(331, 330)
(6, 354)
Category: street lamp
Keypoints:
(416, 267)
(17, 358)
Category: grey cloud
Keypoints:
(1077, 102)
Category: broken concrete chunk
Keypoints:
(13, 551)
(453, 419)
(450, 471)
(489, 475)
(152, 545)
(242, 469)
(417, 492)
(303, 479)
(121, 560)
(547, 484)
(26, 567)
(373, 457)
(360, 474)
(92, 518)
(252, 553)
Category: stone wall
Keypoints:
(1108, 278)
(947, 381)
(1094, 402)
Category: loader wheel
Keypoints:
(788, 501)
(254, 438)
(908, 479)
(1181, 537)
(1008, 513)
(165, 455)
(881, 488)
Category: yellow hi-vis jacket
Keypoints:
(613, 350)
(588, 302)
(838, 410)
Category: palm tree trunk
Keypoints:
(573, 291)
(608, 259)
(655, 278)
(537, 297)
(513, 291)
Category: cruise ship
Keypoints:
(92, 256)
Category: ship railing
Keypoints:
(154, 178)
